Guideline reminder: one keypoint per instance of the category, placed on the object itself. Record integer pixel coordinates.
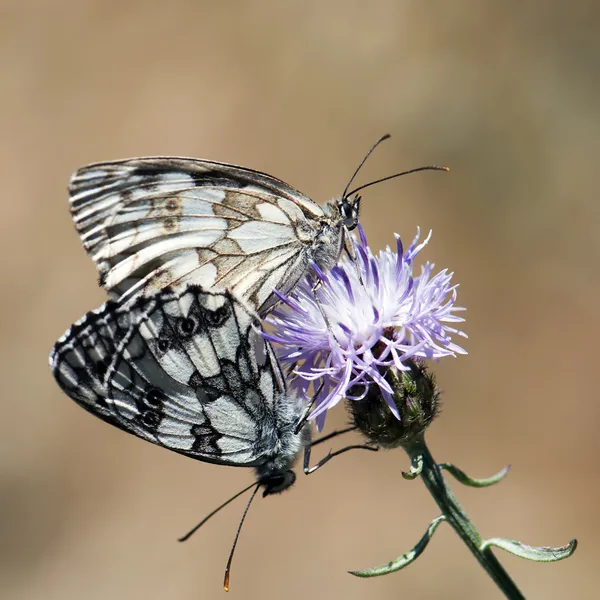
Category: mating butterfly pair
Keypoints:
(191, 252)
(187, 249)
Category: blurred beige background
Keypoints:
(505, 93)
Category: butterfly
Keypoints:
(149, 223)
(153, 223)
(186, 371)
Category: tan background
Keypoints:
(506, 93)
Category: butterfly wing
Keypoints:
(185, 371)
(149, 223)
(82, 357)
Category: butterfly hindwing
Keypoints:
(188, 372)
(153, 223)
(83, 356)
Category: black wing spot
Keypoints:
(153, 399)
(205, 391)
(187, 326)
(169, 224)
(150, 419)
(172, 205)
(206, 438)
(163, 344)
(216, 318)
(207, 394)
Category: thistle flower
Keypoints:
(364, 333)
(364, 317)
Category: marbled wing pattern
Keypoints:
(82, 357)
(187, 371)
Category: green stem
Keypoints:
(458, 519)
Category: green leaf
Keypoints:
(416, 467)
(535, 553)
(463, 478)
(405, 559)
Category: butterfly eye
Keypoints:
(349, 212)
(153, 399)
(187, 326)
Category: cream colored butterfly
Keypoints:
(165, 222)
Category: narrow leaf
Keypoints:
(535, 553)
(463, 478)
(405, 559)
(416, 468)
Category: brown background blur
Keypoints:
(505, 93)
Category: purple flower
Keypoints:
(372, 314)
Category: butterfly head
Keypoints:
(348, 209)
(275, 483)
(275, 474)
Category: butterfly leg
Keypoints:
(308, 469)
(350, 250)
(333, 434)
(315, 288)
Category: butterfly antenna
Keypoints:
(214, 512)
(237, 535)
(427, 168)
(381, 139)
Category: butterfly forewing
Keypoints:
(152, 223)
(184, 370)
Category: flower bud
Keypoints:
(416, 397)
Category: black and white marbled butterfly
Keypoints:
(153, 223)
(187, 371)
(149, 223)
